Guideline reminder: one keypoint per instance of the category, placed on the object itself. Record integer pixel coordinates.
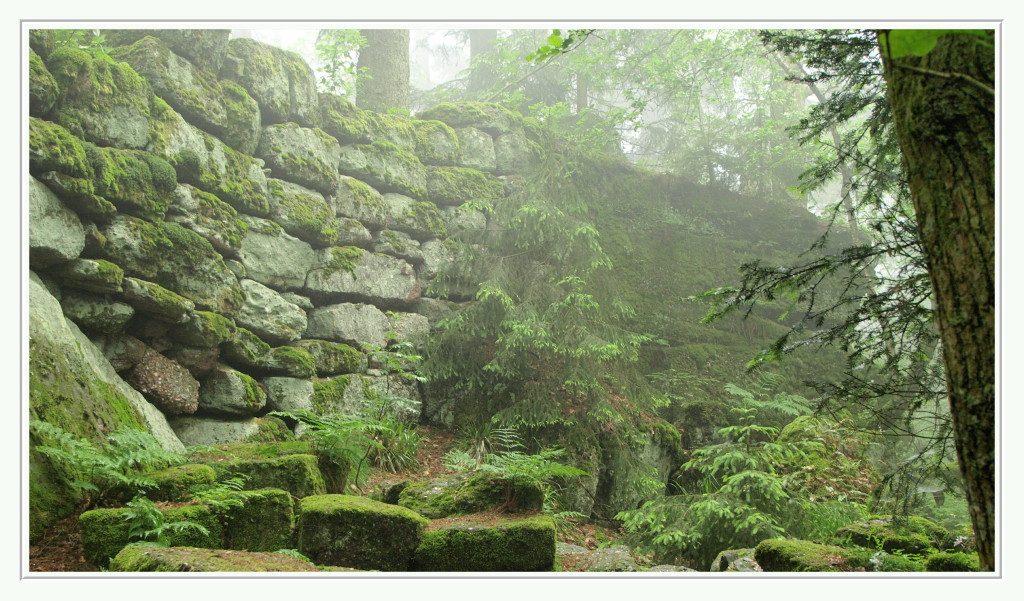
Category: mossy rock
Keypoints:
(303, 213)
(173, 483)
(952, 562)
(202, 47)
(456, 185)
(271, 429)
(138, 558)
(245, 350)
(386, 167)
(289, 361)
(94, 275)
(491, 118)
(298, 474)
(222, 108)
(137, 182)
(468, 492)
(280, 81)
(357, 532)
(106, 531)
(778, 555)
(436, 143)
(42, 87)
(262, 523)
(101, 100)
(42, 41)
(51, 147)
(913, 536)
(306, 156)
(208, 216)
(204, 329)
(175, 258)
(156, 301)
(488, 544)
(331, 358)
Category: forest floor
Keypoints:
(60, 550)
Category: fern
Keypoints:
(146, 523)
(102, 475)
(223, 494)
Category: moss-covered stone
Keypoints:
(106, 531)
(155, 300)
(456, 185)
(328, 394)
(436, 143)
(53, 148)
(385, 166)
(245, 349)
(262, 523)
(202, 47)
(800, 556)
(280, 81)
(910, 537)
(289, 361)
(174, 257)
(491, 118)
(137, 182)
(94, 275)
(298, 474)
(271, 429)
(101, 100)
(42, 87)
(306, 156)
(952, 562)
(173, 483)
(332, 358)
(358, 532)
(474, 544)
(187, 559)
(224, 109)
(303, 213)
(205, 329)
(468, 492)
(42, 41)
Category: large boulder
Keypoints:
(56, 234)
(223, 109)
(102, 101)
(466, 493)
(491, 118)
(208, 216)
(95, 313)
(306, 156)
(421, 220)
(385, 167)
(358, 532)
(350, 273)
(488, 544)
(305, 214)
(73, 385)
(204, 48)
(191, 559)
(735, 560)
(165, 383)
(135, 181)
(274, 258)
(209, 430)
(268, 315)
(211, 165)
(349, 323)
(280, 81)
(477, 149)
(174, 257)
(231, 393)
(42, 87)
(357, 200)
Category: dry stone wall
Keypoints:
(231, 242)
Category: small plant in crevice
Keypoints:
(223, 494)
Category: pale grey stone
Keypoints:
(95, 313)
(208, 430)
(289, 394)
(273, 257)
(55, 233)
(268, 315)
(477, 149)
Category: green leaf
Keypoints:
(919, 42)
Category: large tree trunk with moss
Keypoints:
(943, 108)
(383, 66)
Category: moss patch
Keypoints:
(455, 185)
(53, 148)
(333, 357)
(262, 523)
(296, 473)
(187, 559)
(137, 182)
(173, 483)
(486, 544)
(358, 532)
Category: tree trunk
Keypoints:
(946, 128)
(482, 76)
(383, 67)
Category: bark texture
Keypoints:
(383, 67)
(946, 128)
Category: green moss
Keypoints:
(104, 532)
(173, 483)
(333, 357)
(271, 429)
(53, 148)
(298, 474)
(436, 143)
(358, 532)
(233, 179)
(289, 361)
(43, 88)
(952, 562)
(328, 394)
(136, 182)
(262, 523)
(152, 298)
(492, 118)
(343, 258)
(305, 216)
(799, 556)
(384, 154)
(488, 545)
(188, 559)
(455, 185)
(464, 494)
(890, 536)
(214, 328)
(246, 451)
(422, 217)
(245, 349)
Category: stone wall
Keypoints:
(230, 242)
